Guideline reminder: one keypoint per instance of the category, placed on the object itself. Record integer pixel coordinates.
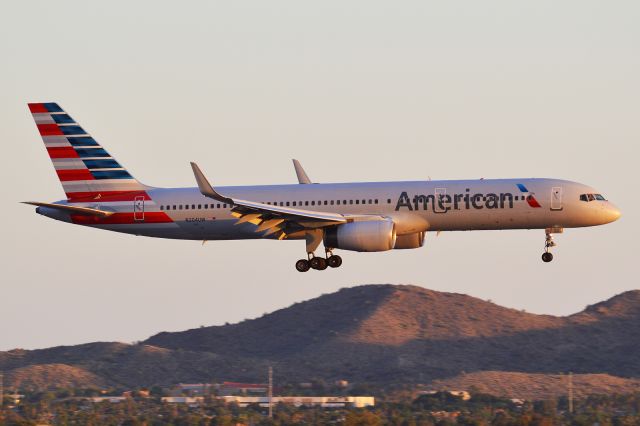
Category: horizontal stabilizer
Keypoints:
(71, 209)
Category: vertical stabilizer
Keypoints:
(86, 170)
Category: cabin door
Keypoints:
(138, 209)
(556, 198)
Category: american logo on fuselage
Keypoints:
(442, 203)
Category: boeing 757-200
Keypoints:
(365, 217)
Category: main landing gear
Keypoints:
(319, 263)
(547, 256)
(313, 239)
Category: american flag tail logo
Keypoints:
(86, 170)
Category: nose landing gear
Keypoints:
(547, 256)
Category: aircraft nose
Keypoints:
(612, 213)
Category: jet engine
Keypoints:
(370, 235)
(410, 241)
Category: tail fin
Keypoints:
(86, 171)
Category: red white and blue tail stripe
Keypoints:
(86, 170)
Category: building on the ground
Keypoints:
(303, 401)
(194, 388)
(189, 400)
(235, 388)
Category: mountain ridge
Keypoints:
(385, 334)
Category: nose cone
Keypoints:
(611, 213)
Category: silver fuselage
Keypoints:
(414, 206)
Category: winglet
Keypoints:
(205, 187)
(302, 175)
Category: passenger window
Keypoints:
(313, 203)
(350, 201)
(370, 202)
(186, 206)
(306, 203)
(287, 204)
(294, 204)
(357, 201)
(325, 202)
(224, 206)
(388, 200)
(180, 207)
(193, 206)
(161, 207)
(338, 202)
(376, 201)
(199, 206)
(331, 202)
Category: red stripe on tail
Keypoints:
(49, 130)
(62, 152)
(36, 108)
(79, 174)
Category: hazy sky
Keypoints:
(357, 91)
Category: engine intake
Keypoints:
(370, 235)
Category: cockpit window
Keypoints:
(592, 197)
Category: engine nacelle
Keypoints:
(410, 241)
(370, 235)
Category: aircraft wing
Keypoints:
(71, 209)
(268, 217)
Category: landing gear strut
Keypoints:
(547, 256)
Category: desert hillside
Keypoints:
(374, 333)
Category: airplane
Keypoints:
(362, 217)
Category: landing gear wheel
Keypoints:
(547, 257)
(318, 263)
(302, 265)
(334, 261)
